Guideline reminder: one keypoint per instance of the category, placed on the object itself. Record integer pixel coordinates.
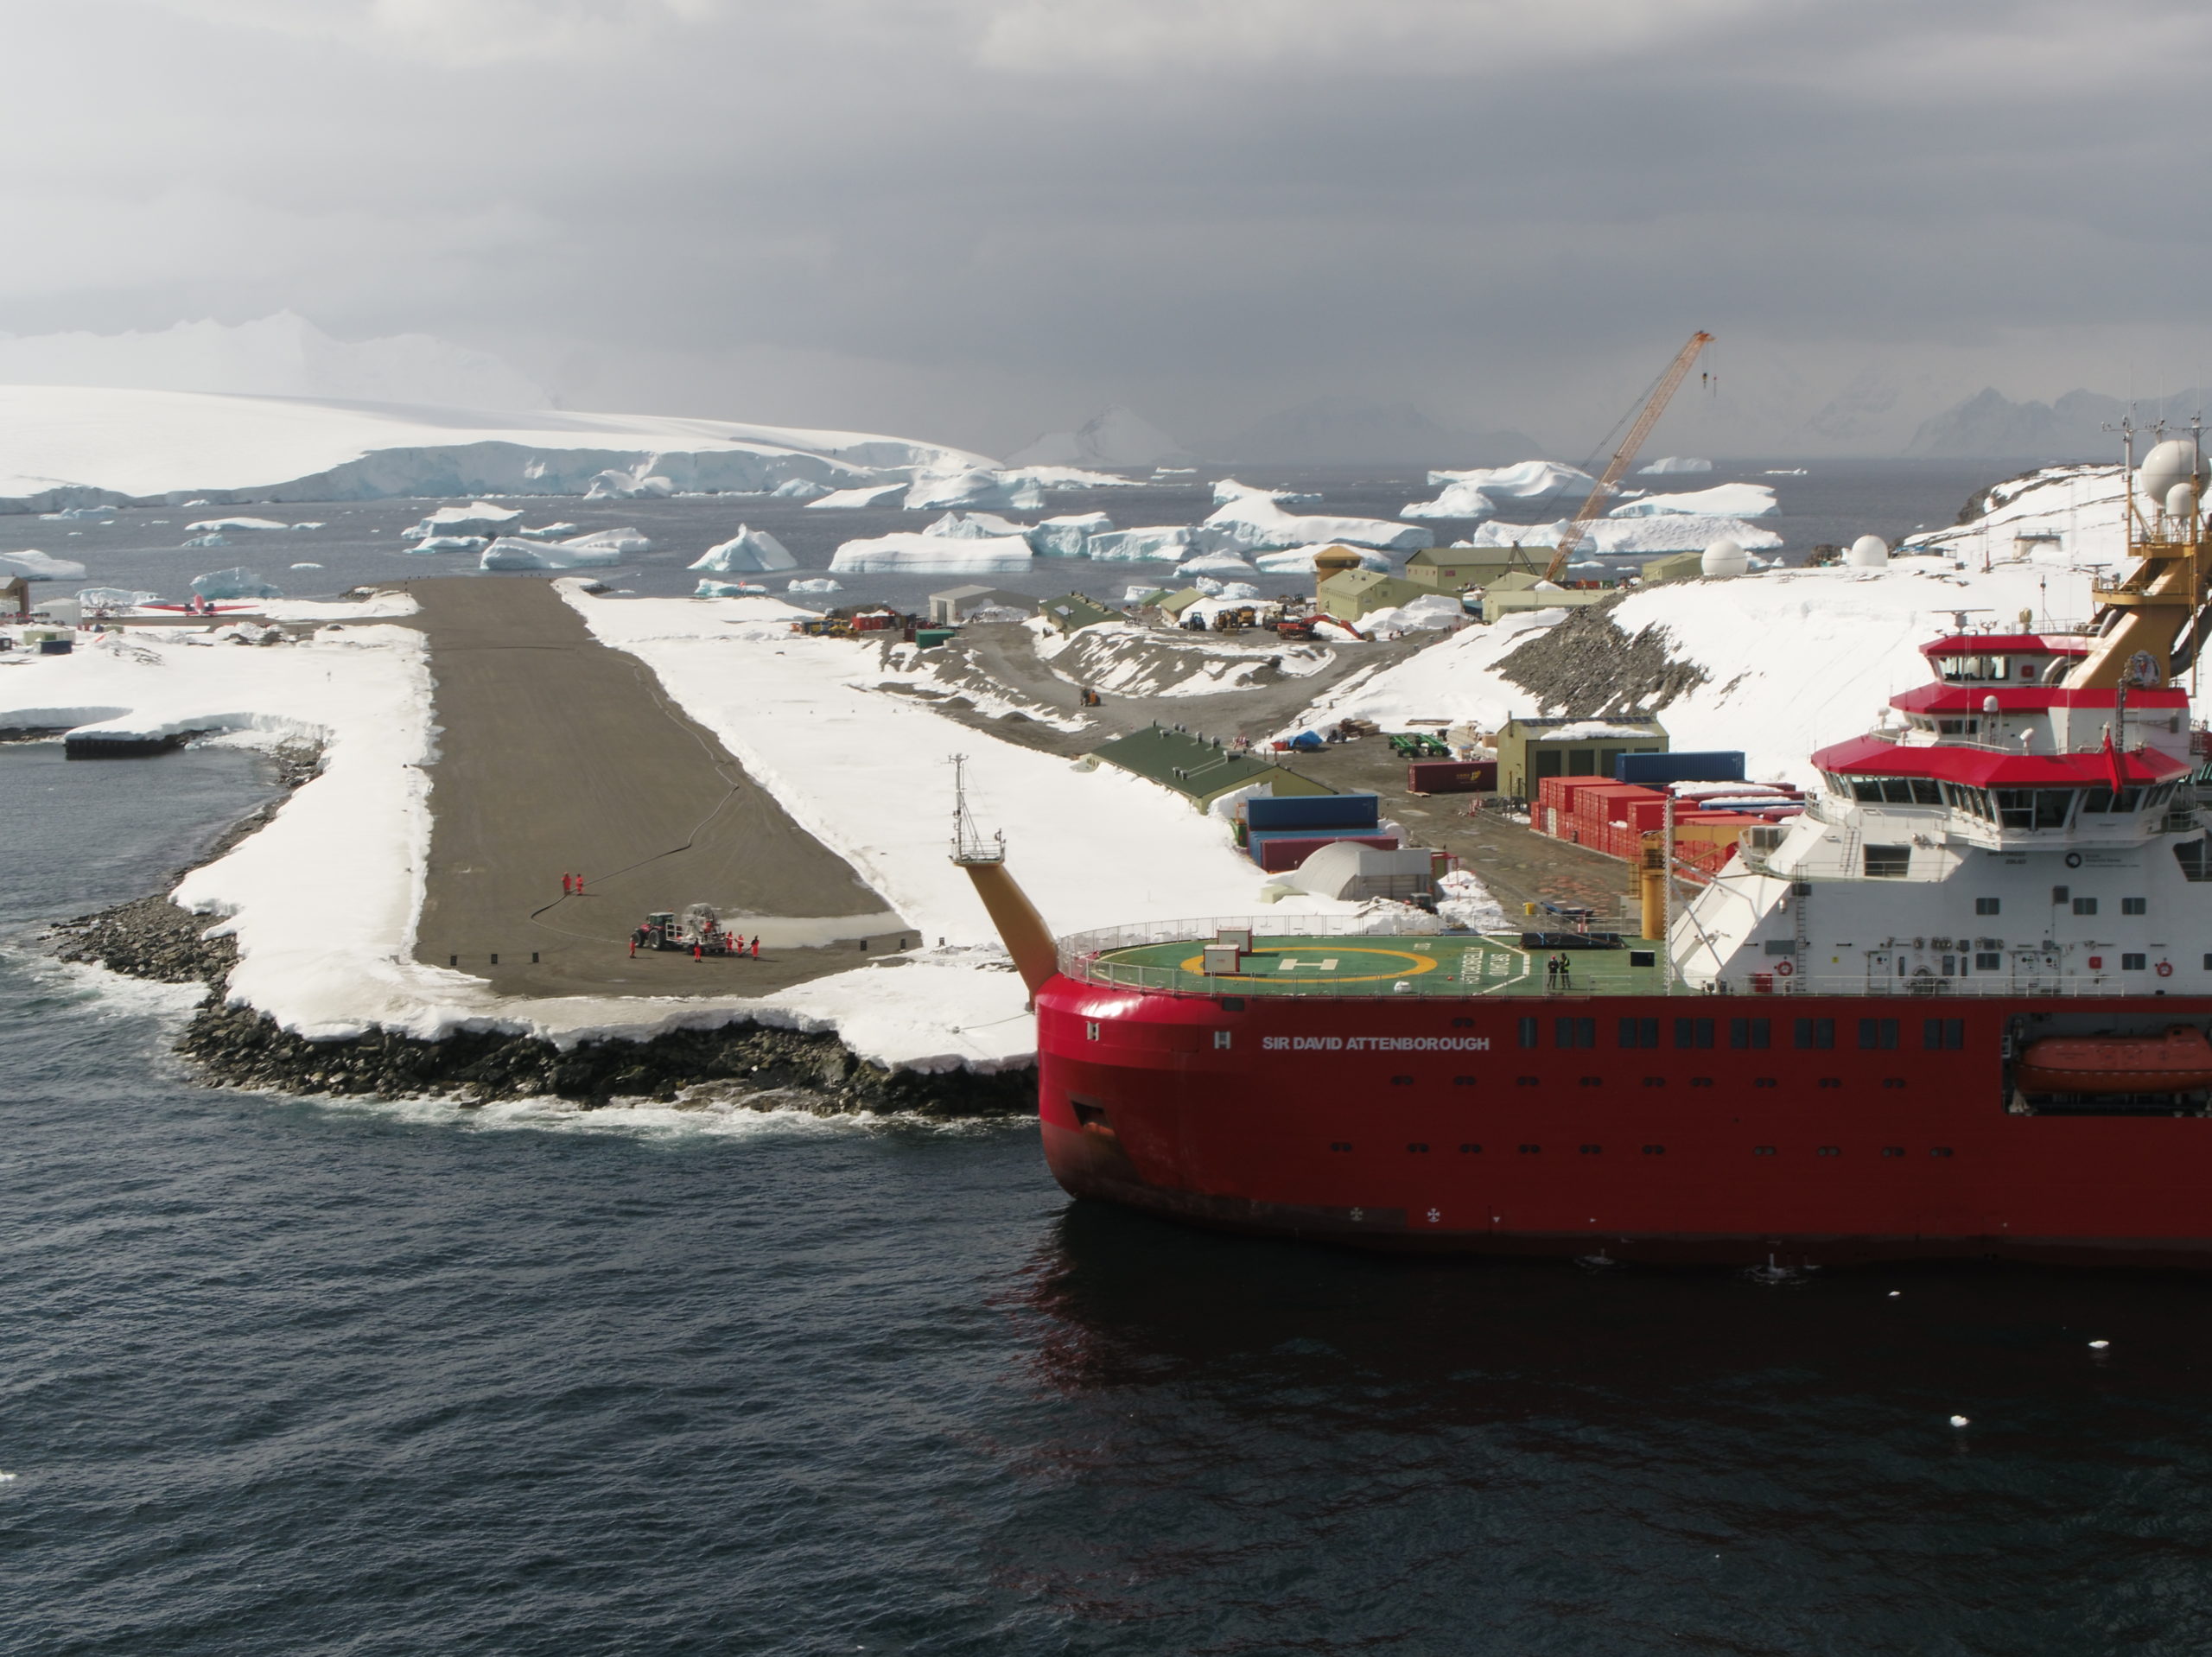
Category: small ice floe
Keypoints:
(1894, 1293)
(306, 526)
(206, 541)
(2099, 1346)
(1960, 1421)
(307, 566)
(8, 1478)
(816, 584)
(217, 525)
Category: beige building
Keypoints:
(1351, 593)
(1530, 750)
(1454, 569)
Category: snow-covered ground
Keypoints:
(64, 445)
(1793, 659)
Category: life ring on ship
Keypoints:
(1783, 968)
(2165, 969)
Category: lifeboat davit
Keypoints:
(2179, 1062)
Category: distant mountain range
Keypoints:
(1989, 424)
(1117, 438)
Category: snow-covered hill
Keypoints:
(77, 446)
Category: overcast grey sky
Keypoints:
(972, 219)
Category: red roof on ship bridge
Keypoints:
(2024, 699)
(2005, 644)
(1872, 756)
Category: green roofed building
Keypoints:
(1074, 613)
(1530, 750)
(1674, 566)
(1454, 569)
(1199, 768)
(1352, 593)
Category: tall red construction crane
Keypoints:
(1624, 456)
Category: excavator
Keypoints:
(1654, 405)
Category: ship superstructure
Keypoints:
(1961, 1005)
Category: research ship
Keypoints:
(1957, 1007)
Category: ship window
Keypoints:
(1574, 1033)
(1830, 1081)
(1988, 905)
(2134, 906)
(1765, 1082)
(1693, 1033)
(2103, 800)
(2085, 905)
(1528, 1081)
(1639, 1032)
(1655, 1150)
(1747, 1033)
(1888, 862)
(1340, 1144)
(1867, 790)
(1593, 1081)
(1762, 1150)
(1700, 1082)
(1654, 1080)
(2194, 866)
(1829, 1150)
(1471, 1149)
(1592, 1150)
(1462, 1082)
(1893, 1150)
(1943, 1035)
(1878, 1034)
(1528, 1032)
(1531, 1150)
(1925, 791)
(2034, 808)
(1417, 1150)
(2060, 894)
(1939, 1151)
(1816, 1032)
(1402, 1082)
(2132, 963)
(1988, 960)
(1893, 1082)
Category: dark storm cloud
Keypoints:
(982, 215)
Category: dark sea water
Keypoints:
(279, 1378)
(359, 541)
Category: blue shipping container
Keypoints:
(1257, 843)
(1657, 769)
(1313, 811)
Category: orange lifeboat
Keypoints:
(2179, 1062)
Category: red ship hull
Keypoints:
(1467, 1125)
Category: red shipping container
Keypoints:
(1279, 856)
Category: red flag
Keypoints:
(2112, 757)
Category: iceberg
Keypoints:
(1215, 563)
(974, 487)
(1228, 489)
(1678, 532)
(239, 583)
(217, 525)
(1299, 561)
(974, 526)
(1174, 542)
(1064, 477)
(481, 518)
(1673, 465)
(448, 544)
(1070, 536)
(749, 549)
(549, 532)
(816, 584)
(512, 552)
(874, 494)
(101, 513)
(309, 526)
(623, 541)
(1530, 480)
(112, 600)
(1723, 501)
(615, 484)
(1458, 500)
(204, 541)
(911, 552)
(1257, 524)
(798, 489)
(726, 590)
(34, 566)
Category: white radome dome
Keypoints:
(1724, 557)
(1869, 552)
(2181, 501)
(2171, 462)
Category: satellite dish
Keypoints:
(1724, 557)
(2171, 462)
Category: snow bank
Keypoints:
(749, 549)
(1423, 614)
(1675, 464)
(1792, 658)
(2075, 512)
(36, 566)
(1723, 501)
(911, 552)
(1257, 524)
(72, 446)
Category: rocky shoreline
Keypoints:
(741, 1063)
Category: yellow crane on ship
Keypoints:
(2156, 611)
(1654, 405)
